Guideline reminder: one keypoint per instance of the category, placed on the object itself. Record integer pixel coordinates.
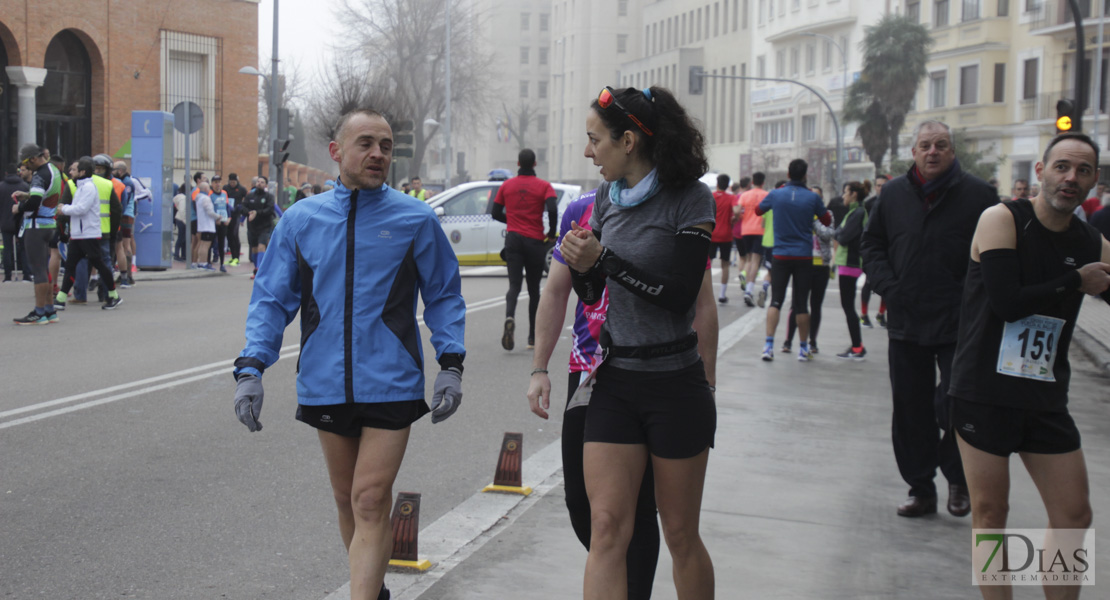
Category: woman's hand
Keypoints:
(580, 248)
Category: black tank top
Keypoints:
(1044, 255)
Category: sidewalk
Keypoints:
(800, 493)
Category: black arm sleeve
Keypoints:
(499, 212)
(589, 286)
(674, 291)
(552, 207)
(1008, 298)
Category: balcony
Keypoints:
(1048, 17)
(1042, 107)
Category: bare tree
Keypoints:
(292, 92)
(394, 61)
(517, 121)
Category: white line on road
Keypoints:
(175, 379)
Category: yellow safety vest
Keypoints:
(104, 190)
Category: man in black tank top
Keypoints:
(1031, 263)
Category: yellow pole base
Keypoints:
(411, 565)
(508, 489)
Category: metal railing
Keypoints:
(1053, 13)
(1043, 106)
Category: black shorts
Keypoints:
(751, 243)
(348, 420)
(722, 248)
(671, 412)
(57, 237)
(741, 248)
(258, 237)
(193, 227)
(801, 271)
(207, 236)
(1001, 430)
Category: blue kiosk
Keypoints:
(152, 163)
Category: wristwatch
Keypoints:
(608, 262)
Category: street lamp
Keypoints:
(272, 81)
(844, 96)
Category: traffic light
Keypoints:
(1065, 115)
(280, 154)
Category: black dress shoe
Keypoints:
(959, 502)
(918, 506)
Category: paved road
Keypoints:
(124, 473)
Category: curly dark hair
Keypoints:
(676, 147)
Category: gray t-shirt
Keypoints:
(645, 235)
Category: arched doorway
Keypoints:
(63, 103)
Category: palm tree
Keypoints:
(863, 108)
(895, 51)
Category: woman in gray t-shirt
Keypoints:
(651, 228)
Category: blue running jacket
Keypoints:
(352, 262)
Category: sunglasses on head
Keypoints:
(608, 98)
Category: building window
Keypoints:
(762, 6)
(543, 55)
(622, 8)
(545, 21)
(744, 22)
(809, 128)
(969, 84)
(1031, 68)
(795, 4)
(622, 43)
(717, 17)
(524, 20)
(971, 10)
(999, 82)
(780, 63)
(847, 50)
(913, 11)
(811, 58)
(775, 132)
(191, 71)
(523, 89)
(771, 9)
(827, 65)
(698, 38)
(761, 66)
(1003, 8)
(541, 89)
(938, 89)
(940, 13)
(794, 61)
(524, 55)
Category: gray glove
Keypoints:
(447, 395)
(248, 401)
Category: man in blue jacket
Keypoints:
(352, 261)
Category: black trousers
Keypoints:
(920, 433)
(848, 303)
(13, 251)
(93, 251)
(233, 243)
(220, 244)
(525, 258)
(643, 549)
(179, 244)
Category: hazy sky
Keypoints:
(305, 29)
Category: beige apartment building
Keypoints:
(997, 69)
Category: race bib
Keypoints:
(1028, 347)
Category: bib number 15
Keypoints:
(1028, 347)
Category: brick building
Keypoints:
(74, 71)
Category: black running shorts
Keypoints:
(722, 249)
(741, 247)
(752, 243)
(671, 412)
(258, 237)
(348, 420)
(207, 236)
(1001, 430)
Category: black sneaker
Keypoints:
(852, 354)
(881, 319)
(507, 335)
(723, 300)
(384, 593)
(112, 303)
(865, 321)
(32, 318)
(786, 348)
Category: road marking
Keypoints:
(170, 380)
